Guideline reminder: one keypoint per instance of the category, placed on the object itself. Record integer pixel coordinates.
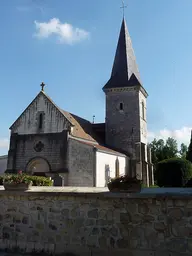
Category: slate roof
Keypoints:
(81, 127)
(125, 71)
(91, 134)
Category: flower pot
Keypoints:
(124, 187)
(17, 187)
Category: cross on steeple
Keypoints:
(42, 86)
(123, 7)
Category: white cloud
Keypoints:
(4, 143)
(182, 135)
(65, 32)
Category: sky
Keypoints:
(70, 45)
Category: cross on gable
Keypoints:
(42, 86)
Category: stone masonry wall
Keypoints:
(54, 151)
(53, 119)
(81, 164)
(123, 127)
(96, 223)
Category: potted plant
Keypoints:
(19, 181)
(125, 184)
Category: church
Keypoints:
(49, 141)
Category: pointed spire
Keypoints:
(125, 71)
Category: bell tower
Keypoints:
(126, 124)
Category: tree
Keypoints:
(161, 150)
(189, 152)
(170, 149)
(183, 150)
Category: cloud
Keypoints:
(182, 135)
(4, 143)
(65, 32)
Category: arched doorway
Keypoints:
(38, 166)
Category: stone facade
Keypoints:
(85, 222)
(81, 164)
(123, 126)
(22, 151)
(53, 121)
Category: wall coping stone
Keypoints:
(146, 193)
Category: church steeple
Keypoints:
(125, 71)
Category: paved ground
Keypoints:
(104, 190)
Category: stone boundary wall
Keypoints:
(90, 222)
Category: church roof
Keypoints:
(82, 128)
(125, 71)
(102, 148)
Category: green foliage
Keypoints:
(41, 181)
(175, 172)
(189, 151)
(17, 179)
(183, 151)
(161, 150)
(36, 180)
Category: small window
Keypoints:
(121, 106)
(143, 110)
(41, 121)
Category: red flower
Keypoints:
(19, 172)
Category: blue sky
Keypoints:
(76, 63)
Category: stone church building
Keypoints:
(49, 141)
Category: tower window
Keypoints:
(41, 121)
(121, 106)
(143, 110)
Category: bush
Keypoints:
(41, 181)
(174, 172)
(37, 180)
(188, 184)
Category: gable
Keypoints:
(53, 119)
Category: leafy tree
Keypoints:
(162, 150)
(183, 150)
(171, 148)
(189, 152)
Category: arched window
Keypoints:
(143, 110)
(41, 121)
(117, 167)
(121, 106)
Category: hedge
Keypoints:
(37, 180)
(175, 172)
